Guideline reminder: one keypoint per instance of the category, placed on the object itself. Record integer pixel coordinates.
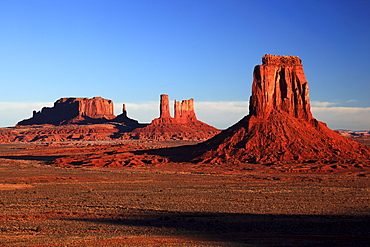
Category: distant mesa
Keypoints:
(280, 127)
(78, 111)
(93, 120)
(73, 111)
(183, 126)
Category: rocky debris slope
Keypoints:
(183, 126)
(280, 127)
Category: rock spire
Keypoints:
(183, 126)
(183, 111)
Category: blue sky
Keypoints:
(131, 51)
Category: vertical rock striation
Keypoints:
(183, 126)
(280, 127)
(280, 84)
(164, 107)
(183, 112)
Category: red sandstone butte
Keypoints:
(72, 119)
(73, 110)
(280, 127)
(183, 126)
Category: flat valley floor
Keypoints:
(45, 205)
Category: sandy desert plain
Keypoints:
(44, 203)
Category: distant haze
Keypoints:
(218, 114)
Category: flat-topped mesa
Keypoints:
(269, 59)
(96, 107)
(73, 110)
(279, 84)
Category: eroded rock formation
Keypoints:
(123, 119)
(73, 110)
(280, 84)
(183, 126)
(280, 127)
(183, 112)
(93, 119)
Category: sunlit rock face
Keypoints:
(183, 111)
(280, 127)
(183, 126)
(280, 84)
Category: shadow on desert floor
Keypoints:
(253, 229)
(32, 157)
(175, 154)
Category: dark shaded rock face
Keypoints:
(73, 110)
(280, 126)
(125, 120)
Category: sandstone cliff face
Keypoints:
(280, 84)
(183, 126)
(183, 111)
(73, 110)
(280, 127)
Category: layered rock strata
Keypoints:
(280, 127)
(73, 110)
(82, 119)
(183, 126)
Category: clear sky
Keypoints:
(131, 51)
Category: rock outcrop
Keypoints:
(73, 110)
(280, 127)
(183, 112)
(280, 84)
(83, 119)
(183, 126)
(123, 119)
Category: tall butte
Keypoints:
(183, 126)
(280, 127)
